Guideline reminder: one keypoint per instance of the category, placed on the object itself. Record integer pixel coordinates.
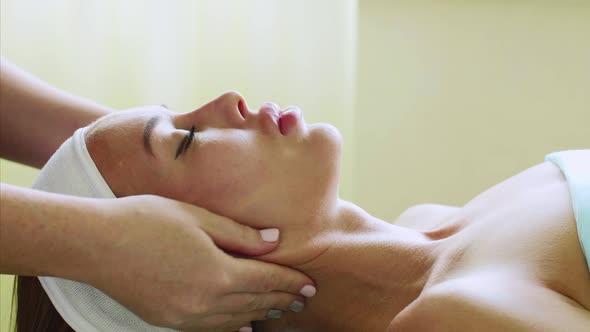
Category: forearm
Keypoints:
(36, 117)
(46, 234)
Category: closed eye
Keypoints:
(186, 142)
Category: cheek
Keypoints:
(220, 177)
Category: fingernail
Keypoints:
(307, 291)
(245, 329)
(296, 306)
(274, 313)
(270, 235)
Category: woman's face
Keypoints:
(247, 166)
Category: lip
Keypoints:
(285, 122)
(270, 117)
(289, 120)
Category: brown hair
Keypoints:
(34, 310)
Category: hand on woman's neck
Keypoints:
(366, 270)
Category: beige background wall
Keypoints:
(455, 96)
(436, 100)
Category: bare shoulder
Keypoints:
(475, 304)
(425, 216)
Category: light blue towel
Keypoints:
(575, 165)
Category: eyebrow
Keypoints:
(147, 132)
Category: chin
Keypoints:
(326, 142)
(326, 134)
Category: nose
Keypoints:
(226, 111)
(232, 102)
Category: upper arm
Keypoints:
(520, 309)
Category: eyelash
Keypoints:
(186, 142)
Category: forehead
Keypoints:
(115, 144)
(128, 122)
(121, 131)
(130, 118)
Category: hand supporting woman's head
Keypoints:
(253, 167)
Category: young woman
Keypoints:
(509, 260)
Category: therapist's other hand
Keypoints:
(162, 260)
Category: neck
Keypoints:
(366, 270)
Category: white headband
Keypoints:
(72, 171)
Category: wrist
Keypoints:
(46, 234)
(78, 240)
(89, 241)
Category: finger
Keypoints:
(261, 277)
(221, 323)
(260, 315)
(246, 302)
(232, 236)
(235, 322)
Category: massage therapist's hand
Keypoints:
(161, 259)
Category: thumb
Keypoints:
(232, 236)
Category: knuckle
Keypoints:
(270, 281)
(216, 321)
(188, 308)
(293, 284)
(198, 310)
(224, 281)
(244, 232)
(290, 281)
(172, 315)
(254, 302)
